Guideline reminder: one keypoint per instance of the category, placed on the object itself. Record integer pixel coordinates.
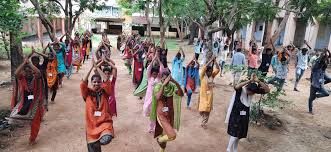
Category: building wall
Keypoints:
(299, 35)
(31, 26)
(323, 37)
(318, 36)
(289, 30)
(311, 33)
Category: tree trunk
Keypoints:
(281, 27)
(182, 29)
(149, 28)
(180, 34)
(16, 52)
(267, 34)
(6, 45)
(193, 30)
(209, 54)
(202, 33)
(47, 24)
(162, 28)
(66, 19)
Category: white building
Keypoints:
(316, 34)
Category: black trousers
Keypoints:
(96, 146)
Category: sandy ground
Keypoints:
(64, 127)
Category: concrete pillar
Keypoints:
(63, 27)
(311, 33)
(289, 30)
(249, 35)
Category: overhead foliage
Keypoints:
(131, 6)
(10, 17)
(309, 9)
(72, 9)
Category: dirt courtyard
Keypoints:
(63, 129)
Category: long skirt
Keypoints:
(141, 90)
(138, 68)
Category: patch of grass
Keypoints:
(27, 50)
(171, 44)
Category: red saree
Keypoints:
(27, 104)
(138, 67)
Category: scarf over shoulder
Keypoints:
(169, 91)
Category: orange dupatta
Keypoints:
(51, 73)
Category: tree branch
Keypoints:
(59, 3)
(216, 30)
(47, 24)
(209, 7)
(198, 23)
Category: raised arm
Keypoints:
(307, 44)
(96, 52)
(20, 68)
(210, 61)
(61, 38)
(52, 50)
(106, 47)
(114, 69)
(181, 49)
(102, 74)
(240, 85)
(41, 54)
(45, 49)
(110, 60)
(35, 70)
(149, 68)
(160, 93)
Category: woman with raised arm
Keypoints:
(177, 67)
(85, 41)
(35, 59)
(154, 77)
(191, 80)
(238, 112)
(127, 56)
(52, 73)
(110, 72)
(138, 65)
(207, 76)
(59, 49)
(166, 109)
(99, 123)
(141, 89)
(27, 99)
(267, 55)
(69, 54)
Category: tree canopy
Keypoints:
(10, 17)
(72, 9)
